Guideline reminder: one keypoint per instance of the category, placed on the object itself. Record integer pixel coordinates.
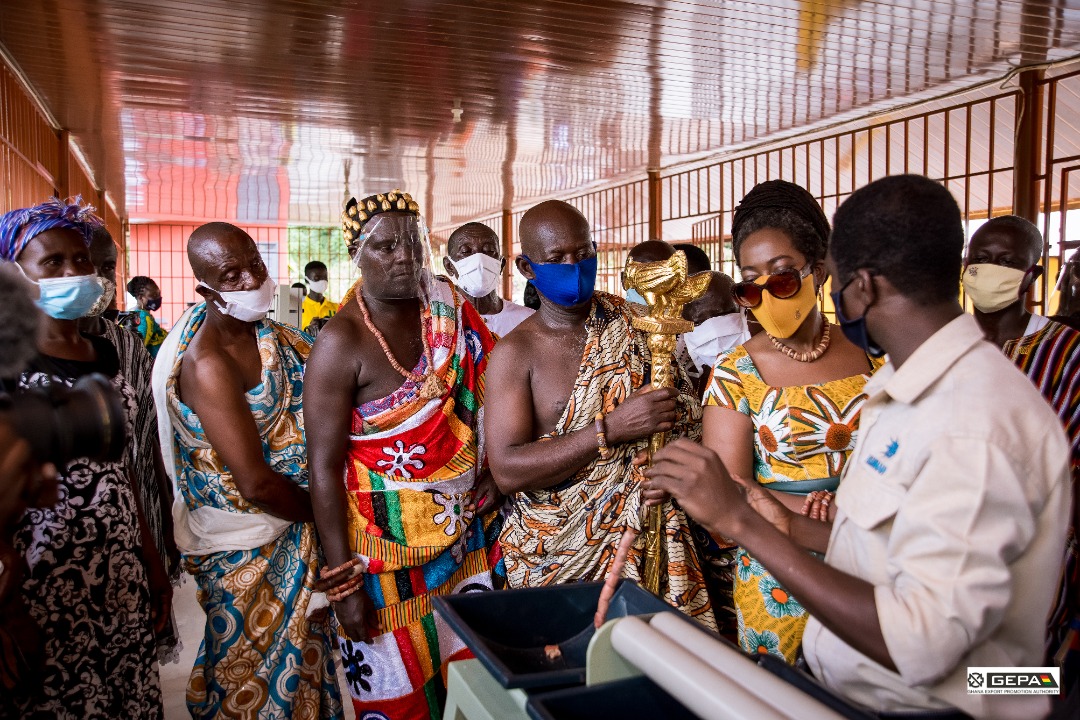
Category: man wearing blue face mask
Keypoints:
(567, 409)
(228, 384)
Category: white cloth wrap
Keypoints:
(207, 530)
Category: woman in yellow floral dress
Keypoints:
(783, 409)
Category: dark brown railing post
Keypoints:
(508, 253)
(63, 181)
(656, 206)
(1029, 107)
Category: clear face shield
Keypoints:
(393, 254)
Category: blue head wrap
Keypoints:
(19, 227)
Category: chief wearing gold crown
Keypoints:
(401, 494)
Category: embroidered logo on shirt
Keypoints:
(888, 452)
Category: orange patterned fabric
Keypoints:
(568, 533)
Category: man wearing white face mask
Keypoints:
(1000, 267)
(228, 385)
(316, 305)
(475, 264)
(719, 324)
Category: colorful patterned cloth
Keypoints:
(1050, 357)
(260, 655)
(19, 227)
(411, 474)
(145, 326)
(569, 532)
(803, 435)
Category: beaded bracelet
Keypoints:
(345, 590)
(327, 574)
(601, 437)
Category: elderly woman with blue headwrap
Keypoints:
(94, 581)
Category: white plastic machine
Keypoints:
(711, 678)
(287, 305)
(708, 676)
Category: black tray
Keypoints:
(508, 629)
(637, 697)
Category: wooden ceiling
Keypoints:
(264, 111)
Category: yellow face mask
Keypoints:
(782, 317)
(992, 287)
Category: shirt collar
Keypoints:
(928, 363)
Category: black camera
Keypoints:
(62, 423)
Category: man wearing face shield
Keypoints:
(1000, 267)
(570, 407)
(475, 264)
(228, 384)
(403, 499)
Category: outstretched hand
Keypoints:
(650, 496)
(695, 476)
(356, 616)
(766, 505)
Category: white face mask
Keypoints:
(477, 274)
(715, 336)
(246, 305)
(317, 286)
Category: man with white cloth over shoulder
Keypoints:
(228, 385)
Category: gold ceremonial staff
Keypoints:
(666, 288)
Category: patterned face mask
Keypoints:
(105, 300)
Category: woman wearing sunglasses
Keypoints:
(783, 409)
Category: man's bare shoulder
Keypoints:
(205, 367)
(520, 346)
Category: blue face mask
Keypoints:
(854, 330)
(565, 284)
(67, 298)
(634, 296)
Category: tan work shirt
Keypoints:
(954, 506)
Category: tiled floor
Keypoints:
(190, 621)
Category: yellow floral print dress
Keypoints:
(803, 435)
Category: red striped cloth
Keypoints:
(1051, 358)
